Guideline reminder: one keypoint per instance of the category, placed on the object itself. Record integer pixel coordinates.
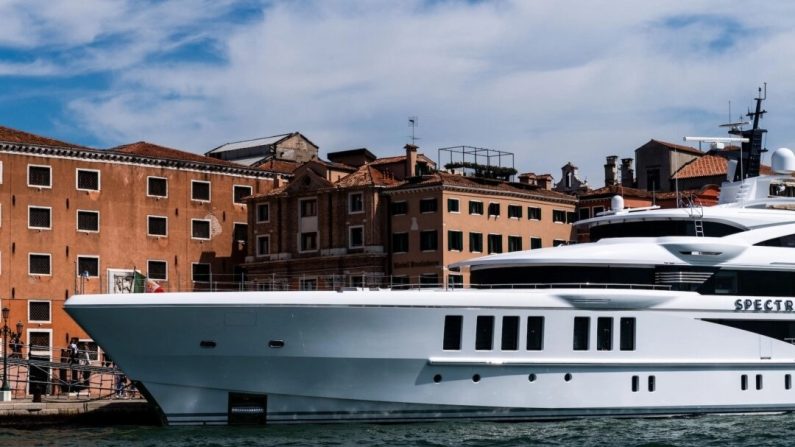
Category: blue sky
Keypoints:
(551, 81)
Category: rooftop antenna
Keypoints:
(413, 123)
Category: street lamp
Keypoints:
(6, 390)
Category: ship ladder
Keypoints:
(699, 227)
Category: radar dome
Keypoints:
(617, 203)
(783, 161)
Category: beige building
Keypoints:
(74, 219)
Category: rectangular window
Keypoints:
(494, 209)
(399, 208)
(309, 241)
(744, 382)
(582, 327)
(652, 384)
(428, 240)
(355, 202)
(200, 272)
(571, 217)
(759, 381)
(157, 187)
(428, 205)
(533, 213)
(39, 218)
(787, 381)
(240, 192)
(452, 206)
(535, 243)
(515, 211)
(88, 221)
(39, 341)
(475, 207)
(39, 311)
(39, 176)
(88, 266)
(200, 190)
(240, 232)
(200, 229)
(157, 226)
(263, 212)
(263, 245)
(455, 281)
(400, 242)
(87, 180)
(604, 334)
(627, 342)
(585, 213)
(455, 240)
(635, 384)
(475, 242)
(558, 242)
(356, 237)
(558, 216)
(514, 243)
(535, 333)
(39, 264)
(484, 333)
(495, 243)
(452, 332)
(510, 333)
(157, 270)
(308, 208)
(653, 179)
(598, 210)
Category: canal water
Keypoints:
(713, 430)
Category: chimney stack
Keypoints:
(411, 160)
(627, 173)
(611, 171)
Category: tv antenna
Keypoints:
(413, 123)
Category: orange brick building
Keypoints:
(74, 219)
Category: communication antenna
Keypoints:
(414, 122)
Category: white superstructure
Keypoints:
(696, 316)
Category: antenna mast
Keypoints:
(414, 122)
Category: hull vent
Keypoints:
(247, 409)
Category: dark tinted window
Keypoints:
(535, 333)
(88, 220)
(627, 342)
(39, 176)
(428, 240)
(87, 266)
(476, 242)
(455, 240)
(200, 190)
(157, 187)
(400, 242)
(533, 213)
(88, 180)
(484, 333)
(510, 333)
(428, 205)
(582, 326)
(400, 208)
(659, 228)
(452, 332)
(475, 207)
(452, 205)
(514, 243)
(495, 243)
(604, 334)
(515, 211)
(240, 192)
(494, 209)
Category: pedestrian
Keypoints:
(120, 381)
(73, 351)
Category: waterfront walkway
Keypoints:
(71, 410)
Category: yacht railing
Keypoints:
(572, 285)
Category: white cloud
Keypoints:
(551, 81)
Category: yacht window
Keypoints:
(744, 382)
(484, 333)
(725, 283)
(759, 381)
(783, 330)
(535, 333)
(627, 342)
(604, 334)
(656, 228)
(452, 332)
(582, 326)
(510, 333)
(635, 384)
(787, 241)
(787, 381)
(652, 384)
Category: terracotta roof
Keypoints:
(10, 135)
(677, 147)
(145, 149)
(275, 165)
(335, 165)
(613, 190)
(399, 159)
(704, 166)
(444, 178)
(366, 175)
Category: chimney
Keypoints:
(411, 160)
(525, 178)
(544, 181)
(627, 173)
(611, 170)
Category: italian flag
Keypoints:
(142, 284)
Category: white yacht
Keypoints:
(692, 311)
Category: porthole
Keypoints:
(476, 378)
(437, 378)
(531, 377)
(276, 344)
(567, 377)
(207, 344)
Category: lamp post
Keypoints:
(5, 391)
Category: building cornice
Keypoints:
(480, 191)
